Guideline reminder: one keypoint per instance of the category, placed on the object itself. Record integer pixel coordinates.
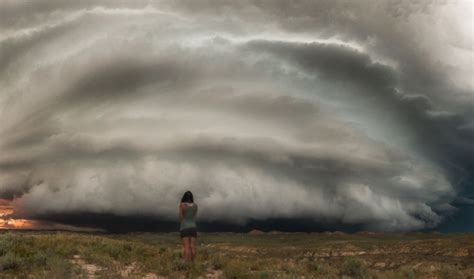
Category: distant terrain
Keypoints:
(60, 254)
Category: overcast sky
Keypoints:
(353, 112)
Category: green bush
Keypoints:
(5, 245)
(314, 267)
(10, 261)
(59, 268)
(115, 251)
(39, 259)
(354, 267)
(217, 262)
(179, 264)
(235, 269)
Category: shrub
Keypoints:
(179, 264)
(39, 259)
(59, 268)
(217, 262)
(10, 261)
(354, 267)
(5, 245)
(115, 251)
(314, 267)
(235, 269)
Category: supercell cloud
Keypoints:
(353, 112)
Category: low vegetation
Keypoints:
(230, 255)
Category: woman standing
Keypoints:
(187, 214)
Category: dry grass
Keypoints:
(228, 255)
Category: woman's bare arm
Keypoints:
(196, 210)
(181, 212)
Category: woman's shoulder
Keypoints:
(188, 204)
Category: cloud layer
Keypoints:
(333, 111)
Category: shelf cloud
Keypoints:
(358, 113)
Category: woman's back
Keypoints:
(188, 216)
(187, 229)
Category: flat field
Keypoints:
(57, 254)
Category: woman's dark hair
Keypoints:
(187, 197)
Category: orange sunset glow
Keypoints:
(8, 222)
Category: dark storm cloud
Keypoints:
(384, 28)
(439, 134)
(329, 111)
(464, 201)
(110, 81)
(121, 80)
(335, 63)
(209, 159)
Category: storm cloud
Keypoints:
(354, 112)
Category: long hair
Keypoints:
(187, 197)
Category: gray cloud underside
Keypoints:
(302, 109)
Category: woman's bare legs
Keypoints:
(189, 248)
(186, 252)
(193, 247)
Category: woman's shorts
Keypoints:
(189, 232)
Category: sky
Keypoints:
(291, 115)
